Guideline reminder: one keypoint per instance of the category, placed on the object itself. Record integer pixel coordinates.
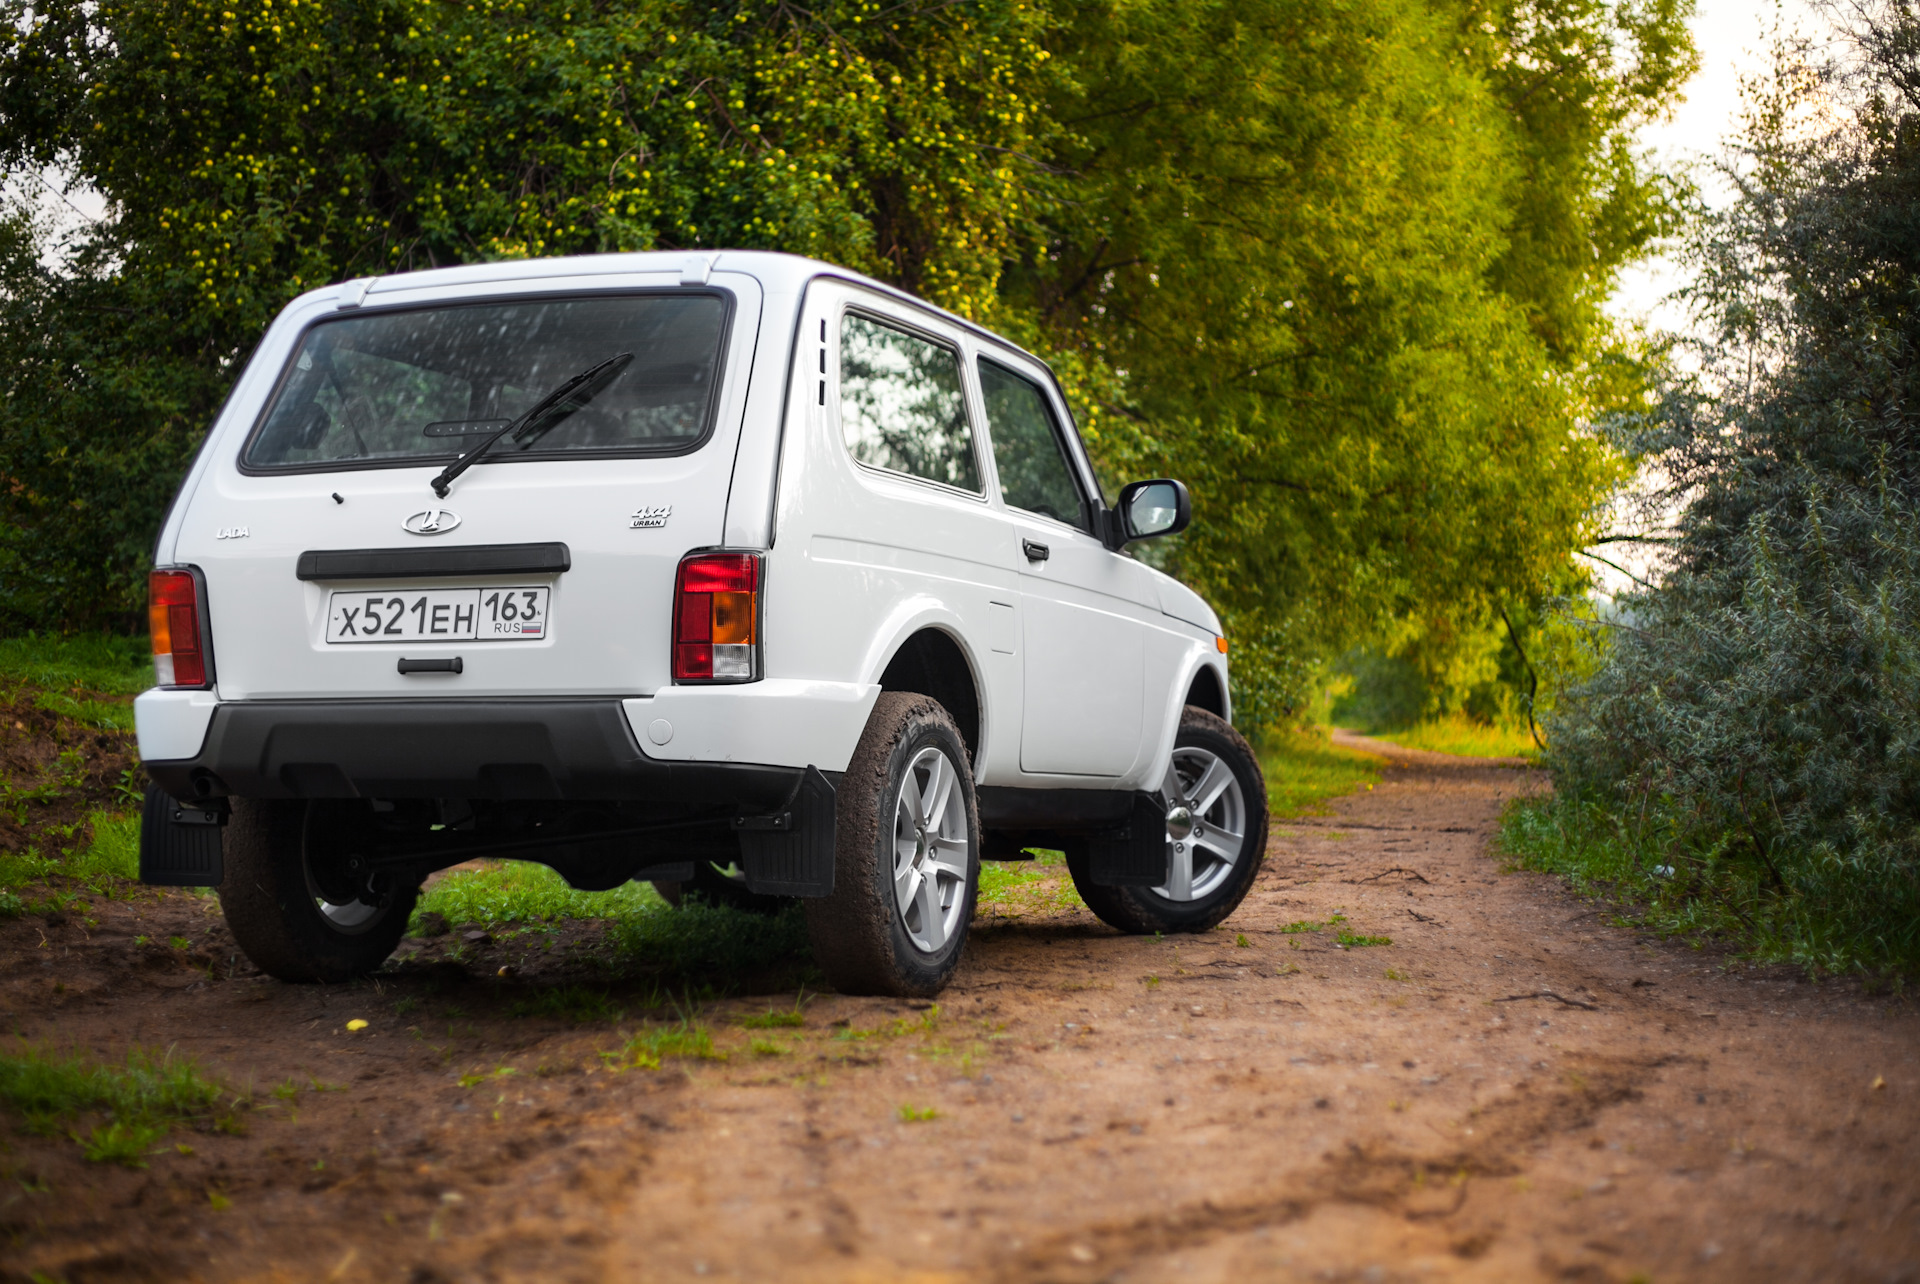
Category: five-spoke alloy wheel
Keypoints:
(906, 855)
(1216, 808)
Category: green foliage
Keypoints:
(685, 1039)
(142, 1099)
(1467, 738)
(518, 892)
(248, 152)
(704, 945)
(1340, 267)
(111, 858)
(101, 663)
(1304, 769)
(774, 1020)
(1753, 723)
(574, 1002)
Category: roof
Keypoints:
(777, 273)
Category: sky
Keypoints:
(1732, 36)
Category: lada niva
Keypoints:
(736, 572)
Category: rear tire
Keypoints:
(1221, 822)
(906, 856)
(298, 897)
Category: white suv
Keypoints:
(738, 572)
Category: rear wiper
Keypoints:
(547, 412)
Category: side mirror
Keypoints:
(1151, 508)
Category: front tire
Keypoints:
(300, 899)
(1216, 800)
(906, 856)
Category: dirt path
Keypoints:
(1513, 1089)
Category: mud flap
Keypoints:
(790, 853)
(180, 842)
(1133, 856)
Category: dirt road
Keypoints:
(1514, 1088)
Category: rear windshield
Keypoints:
(430, 383)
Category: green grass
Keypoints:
(774, 1019)
(687, 1040)
(102, 867)
(1465, 737)
(1305, 769)
(141, 1100)
(574, 1002)
(711, 947)
(100, 663)
(1663, 876)
(521, 892)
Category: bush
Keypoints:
(1756, 724)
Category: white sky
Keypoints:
(1732, 37)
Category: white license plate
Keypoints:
(438, 615)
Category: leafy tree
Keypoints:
(1340, 267)
(1336, 265)
(250, 149)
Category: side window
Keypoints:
(901, 406)
(1034, 472)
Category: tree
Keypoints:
(250, 149)
(1336, 265)
(1340, 267)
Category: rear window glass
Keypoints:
(430, 383)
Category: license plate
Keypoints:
(438, 615)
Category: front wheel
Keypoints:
(300, 895)
(1216, 805)
(906, 855)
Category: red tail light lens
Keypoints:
(173, 617)
(716, 618)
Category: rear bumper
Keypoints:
(500, 749)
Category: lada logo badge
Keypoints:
(431, 521)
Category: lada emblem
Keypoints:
(431, 521)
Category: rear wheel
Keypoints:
(1216, 807)
(906, 855)
(300, 895)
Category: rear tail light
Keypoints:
(174, 618)
(716, 618)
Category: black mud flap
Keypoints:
(180, 842)
(790, 853)
(1133, 856)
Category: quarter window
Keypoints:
(901, 407)
(1034, 472)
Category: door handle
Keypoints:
(1035, 551)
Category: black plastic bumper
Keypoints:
(508, 750)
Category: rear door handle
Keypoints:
(1036, 552)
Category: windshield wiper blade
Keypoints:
(546, 413)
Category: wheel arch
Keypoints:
(930, 657)
(1203, 679)
(1207, 689)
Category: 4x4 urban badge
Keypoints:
(736, 572)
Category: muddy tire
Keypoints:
(297, 898)
(906, 856)
(1216, 799)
